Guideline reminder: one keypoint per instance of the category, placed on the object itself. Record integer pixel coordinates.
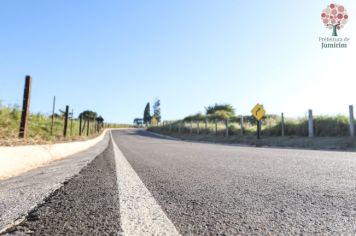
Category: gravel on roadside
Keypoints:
(85, 205)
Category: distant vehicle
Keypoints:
(138, 122)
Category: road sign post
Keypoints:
(258, 112)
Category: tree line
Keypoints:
(147, 118)
(222, 112)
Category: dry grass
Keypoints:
(39, 127)
(316, 143)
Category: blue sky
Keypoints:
(115, 56)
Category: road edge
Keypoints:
(87, 155)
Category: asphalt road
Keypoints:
(202, 189)
(221, 189)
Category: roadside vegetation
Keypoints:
(39, 127)
(147, 118)
(222, 116)
(221, 124)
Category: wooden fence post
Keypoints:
(242, 125)
(352, 121)
(80, 125)
(198, 128)
(282, 124)
(227, 127)
(87, 127)
(66, 114)
(25, 107)
(310, 124)
(53, 109)
(216, 127)
(71, 123)
(83, 127)
(206, 126)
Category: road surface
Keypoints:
(147, 184)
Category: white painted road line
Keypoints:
(140, 213)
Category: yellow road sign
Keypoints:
(258, 111)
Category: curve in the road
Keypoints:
(145, 184)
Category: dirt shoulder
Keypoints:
(316, 143)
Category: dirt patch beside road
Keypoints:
(316, 143)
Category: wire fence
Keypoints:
(17, 122)
(272, 125)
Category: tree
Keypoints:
(154, 120)
(157, 110)
(147, 114)
(87, 116)
(334, 17)
(221, 115)
(56, 116)
(196, 117)
(220, 110)
(99, 122)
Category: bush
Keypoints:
(331, 126)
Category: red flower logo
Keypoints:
(334, 17)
